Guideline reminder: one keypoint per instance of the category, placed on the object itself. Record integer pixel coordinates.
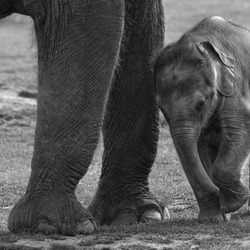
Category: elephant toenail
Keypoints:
(151, 216)
(227, 217)
(165, 214)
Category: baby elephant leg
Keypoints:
(227, 171)
(209, 205)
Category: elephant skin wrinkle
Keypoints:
(94, 73)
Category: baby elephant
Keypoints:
(203, 89)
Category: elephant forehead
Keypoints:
(173, 72)
(181, 86)
(217, 19)
(176, 75)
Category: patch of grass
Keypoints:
(154, 238)
(97, 240)
(215, 243)
(17, 247)
(55, 246)
(136, 247)
(6, 236)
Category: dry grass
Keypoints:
(167, 180)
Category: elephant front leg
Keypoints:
(131, 124)
(76, 61)
(227, 168)
(209, 205)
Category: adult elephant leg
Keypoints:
(130, 128)
(77, 54)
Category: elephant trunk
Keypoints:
(185, 140)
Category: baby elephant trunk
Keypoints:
(185, 140)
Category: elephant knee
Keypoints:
(222, 175)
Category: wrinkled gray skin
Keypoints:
(79, 45)
(203, 89)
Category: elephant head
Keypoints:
(191, 79)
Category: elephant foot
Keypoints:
(210, 209)
(50, 213)
(214, 216)
(129, 211)
(233, 197)
(149, 215)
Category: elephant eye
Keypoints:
(200, 105)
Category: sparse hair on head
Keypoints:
(160, 57)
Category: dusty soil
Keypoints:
(134, 242)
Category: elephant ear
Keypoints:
(223, 65)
